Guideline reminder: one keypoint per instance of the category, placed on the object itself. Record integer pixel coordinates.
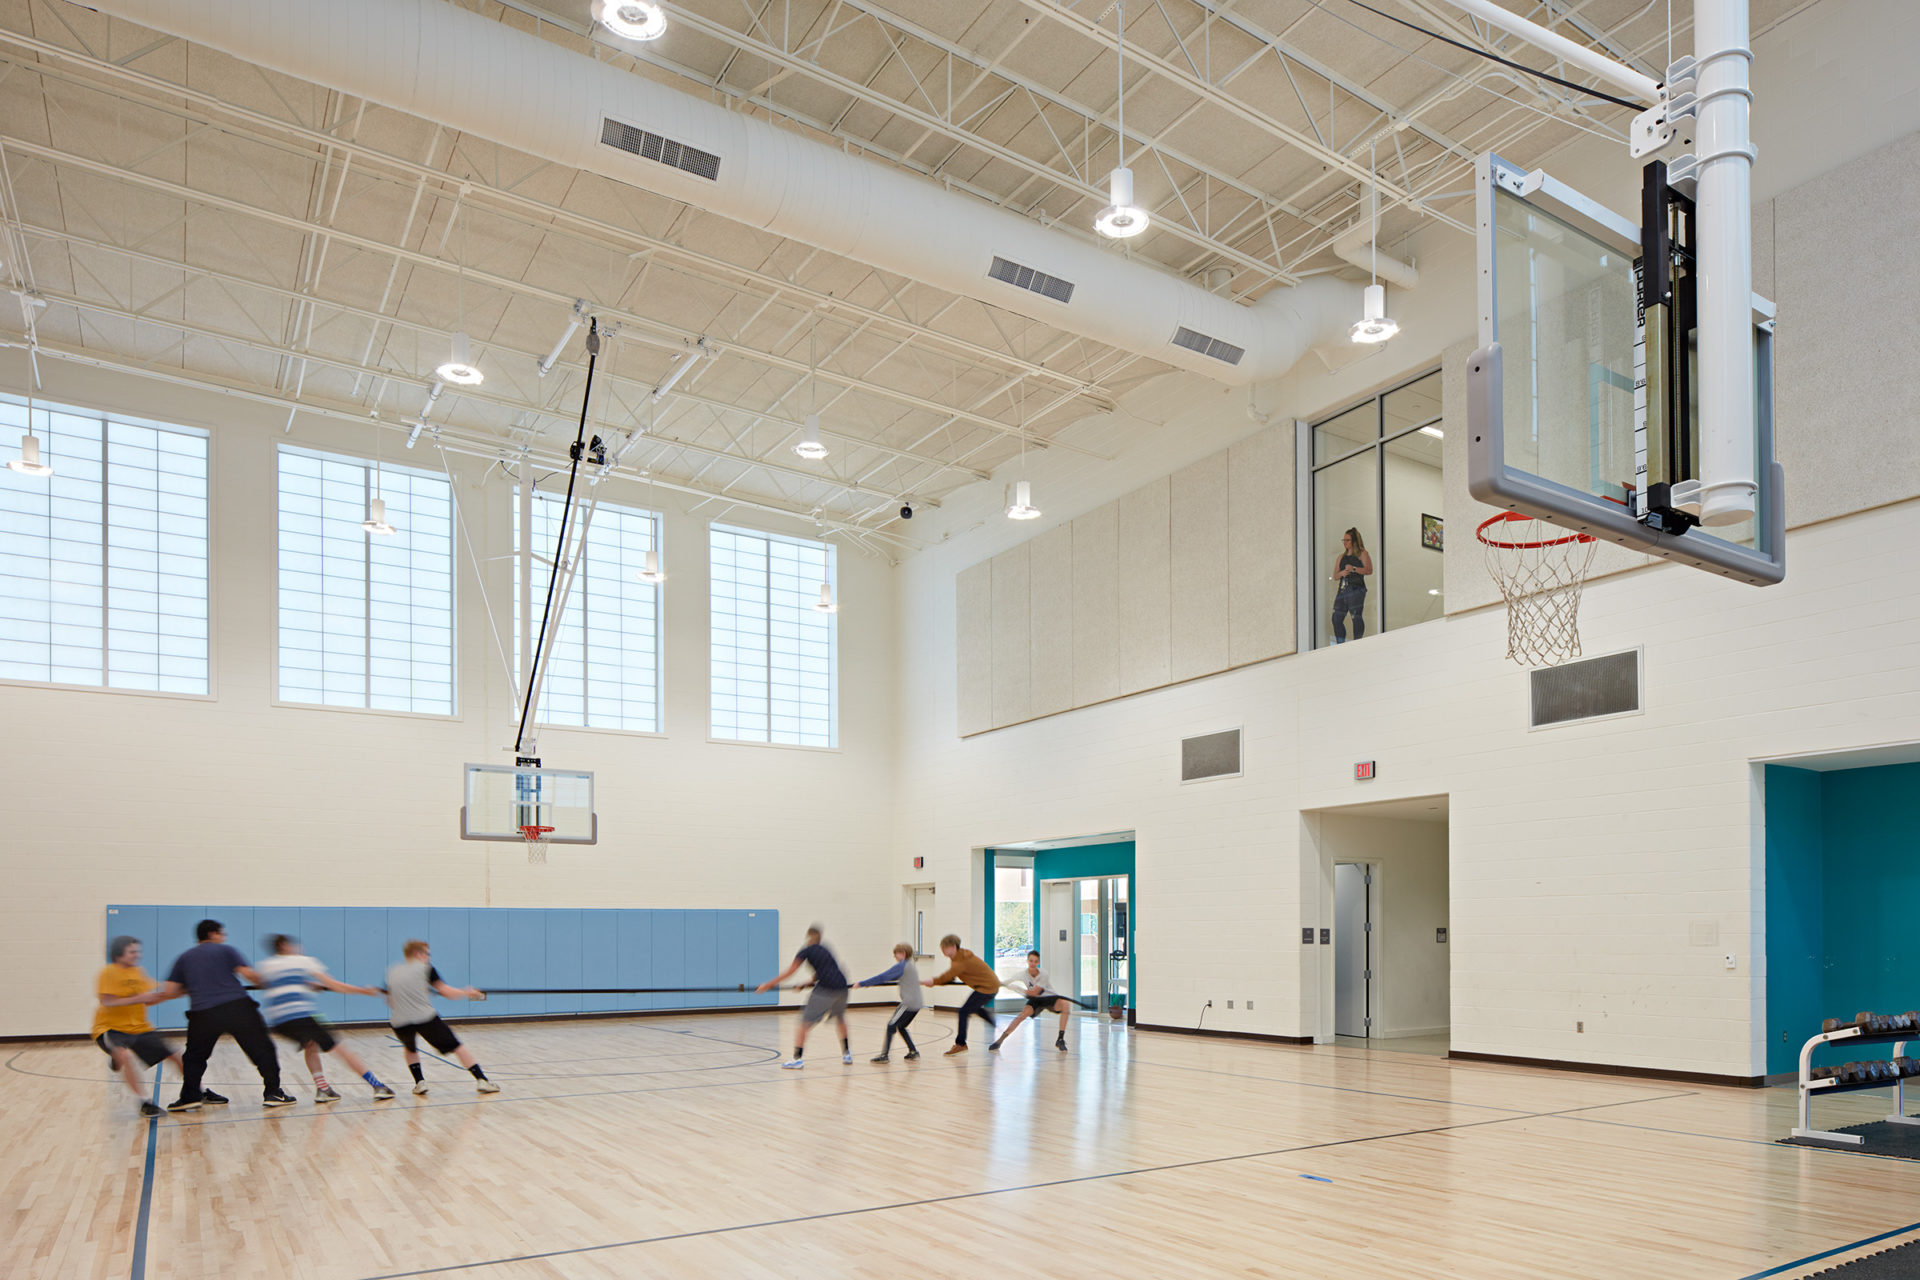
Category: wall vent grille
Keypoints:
(651, 146)
(1211, 755)
(1587, 690)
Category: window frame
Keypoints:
(212, 693)
(1307, 504)
(833, 653)
(659, 520)
(453, 587)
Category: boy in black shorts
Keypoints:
(120, 1025)
(411, 986)
(288, 980)
(1041, 998)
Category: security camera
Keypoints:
(906, 511)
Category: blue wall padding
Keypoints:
(490, 947)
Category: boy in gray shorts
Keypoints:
(829, 996)
(907, 974)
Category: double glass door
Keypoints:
(1089, 929)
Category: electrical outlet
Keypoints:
(1229, 1004)
(1580, 1028)
(1249, 1004)
(1731, 962)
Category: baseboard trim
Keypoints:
(481, 1019)
(1224, 1035)
(1612, 1069)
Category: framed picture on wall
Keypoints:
(1433, 534)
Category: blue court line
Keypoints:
(1812, 1258)
(146, 1186)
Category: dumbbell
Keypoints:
(1820, 1073)
(1848, 1072)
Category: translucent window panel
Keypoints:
(103, 580)
(1013, 923)
(1341, 435)
(365, 620)
(1408, 566)
(603, 670)
(774, 662)
(1409, 406)
(1564, 309)
(1346, 497)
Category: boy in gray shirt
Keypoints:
(911, 1000)
(411, 986)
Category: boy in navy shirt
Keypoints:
(829, 996)
(209, 975)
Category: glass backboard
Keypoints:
(501, 799)
(1557, 392)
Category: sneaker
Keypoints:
(278, 1098)
(327, 1094)
(882, 1058)
(912, 1055)
(185, 1104)
(1061, 1044)
(795, 1065)
(419, 1086)
(485, 1086)
(958, 1048)
(382, 1094)
(993, 1046)
(148, 1109)
(847, 1058)
(212, 1099)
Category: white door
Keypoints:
(1057, 932)
(1352, 935)
(920, 921)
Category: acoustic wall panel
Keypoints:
(1050, 621)
(973, 703)
(1145, 542)
(1012, 654)
(1198, 577)
(1260, 538)
(1096, 606)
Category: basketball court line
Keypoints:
(139, 1270)
(1812, 1258)
(982, 1194)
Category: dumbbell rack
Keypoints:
(1809, 1087)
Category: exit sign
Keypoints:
(1363, 771)
(919, 863)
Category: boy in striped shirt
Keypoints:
(288, 980)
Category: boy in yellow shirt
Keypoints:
(120, 1025)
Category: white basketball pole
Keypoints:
(1724, 200)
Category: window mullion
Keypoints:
(106, 551)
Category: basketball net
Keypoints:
(1541, 569)
(536, 837)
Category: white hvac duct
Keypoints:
(1356, 247)
(432, 59)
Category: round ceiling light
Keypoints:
(1122, 218)
(631, 19)
(458, 368)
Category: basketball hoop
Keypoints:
(1541, 569)
(536, 837)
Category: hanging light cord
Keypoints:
(560, 545)
(1120, 75)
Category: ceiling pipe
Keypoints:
(432, 59)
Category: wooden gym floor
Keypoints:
(677, 1147)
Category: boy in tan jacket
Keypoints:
(964, 966)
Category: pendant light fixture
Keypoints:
(825, 603)
(631, 19)
(376, 521)
(809, 446)
(650, 572)
(1373, 326)
(458, 368)
(29, 463)
(1122, 219)
(1022, 508)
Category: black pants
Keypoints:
(977, 1002)
(898, 1022)
(1349, 602)
(239, 1019)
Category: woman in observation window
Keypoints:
(1350, 575)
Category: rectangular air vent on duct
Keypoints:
(1193, 340)
(1211, 755)
(1589, 690)
(651, 146)
(1032, 281)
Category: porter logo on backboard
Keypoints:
(1363, 771)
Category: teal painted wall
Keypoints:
(1843, 900)
(1079, 863)
(1796, 949)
